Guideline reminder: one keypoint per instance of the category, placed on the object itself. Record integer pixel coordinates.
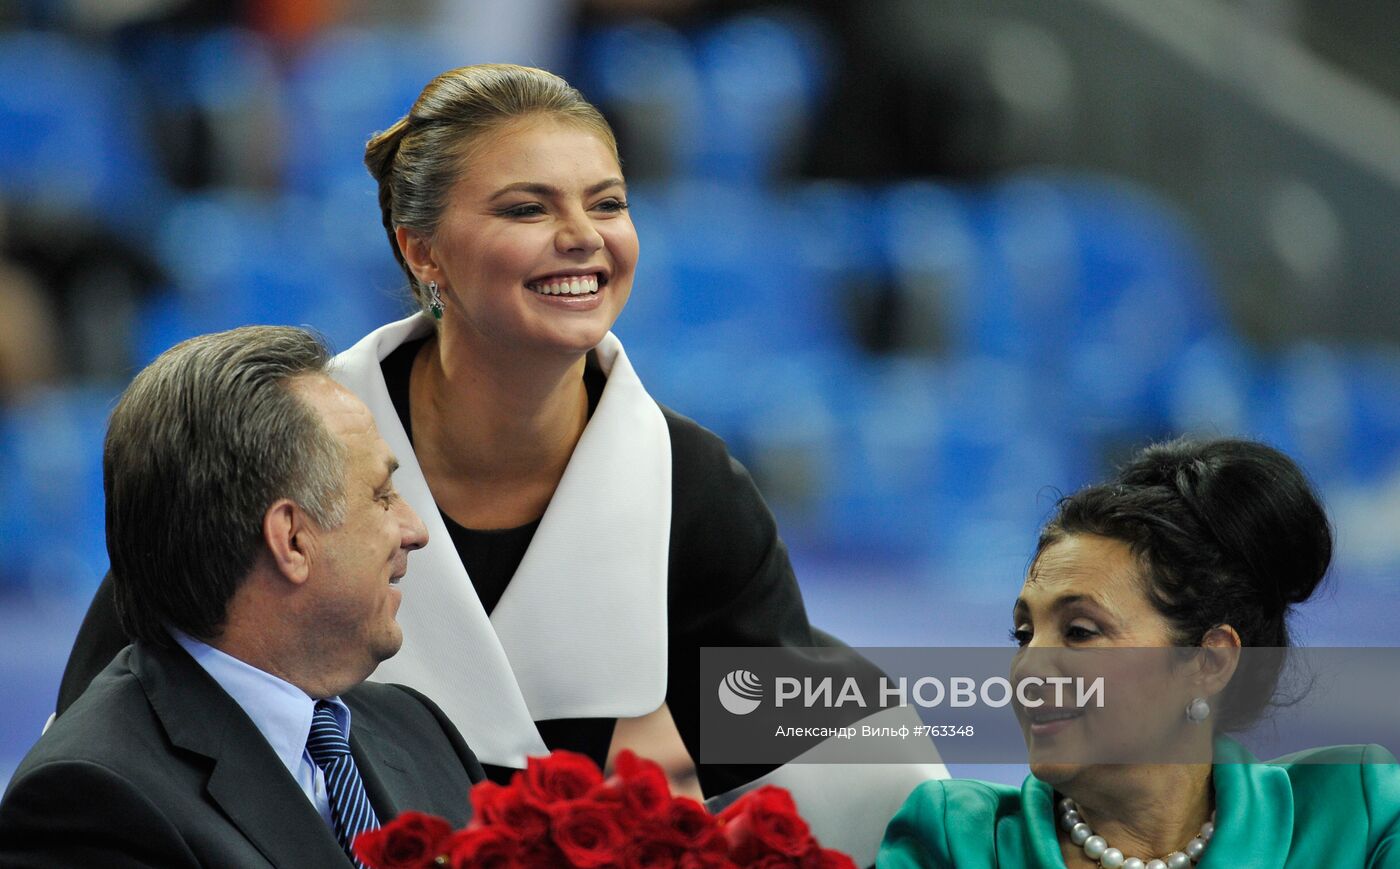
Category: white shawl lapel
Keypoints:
(581, 630)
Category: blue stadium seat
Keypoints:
(1034, 269)
(736, 271)
(1334, 409)
(1209, 387)
(1373, 376)
(886, 499)
(239, 259)
(229, 79)
(931, 245)
(643, 74)
(53, 541)
(346, 85)
(71, 135)
(1301, 404)
(1144, 297)
(763, 78)
(225, 254)
(836, 226)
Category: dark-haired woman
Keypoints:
(585, 543)
(1194, 545)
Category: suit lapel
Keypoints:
(384, 772)
(247, 781)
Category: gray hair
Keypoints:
(418, 159)
(202, 442)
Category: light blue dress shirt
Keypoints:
(280, 710)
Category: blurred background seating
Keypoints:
(924, 264)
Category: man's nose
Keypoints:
(415, 533)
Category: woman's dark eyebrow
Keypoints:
(1060, 603)
(539, 189)
(1070, 600)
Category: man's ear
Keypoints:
(290, 537)
(1220, 657)
(417, 250)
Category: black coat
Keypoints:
(155, 765)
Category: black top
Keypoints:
(491, 557)
(730, 583)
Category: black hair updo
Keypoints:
(1229, 532)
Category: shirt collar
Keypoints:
(280, 710)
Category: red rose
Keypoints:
(609, 791)
(409, 841)
(773, 796)
(482, 848)
(484, 796)
(705, 860)
(688, 825)
(825, 858)
(766, 822)
(587, 832)
(563, 775)
(648, 853)
(540, 854)
(629, 765)
(515, 808)
(642, 786)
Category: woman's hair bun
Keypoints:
(1257, 505)
(382, 147)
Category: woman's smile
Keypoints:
(1045, 723)
(573, 283)
(571, 291)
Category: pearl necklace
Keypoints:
(1096, 847)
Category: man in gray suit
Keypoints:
(257, 542)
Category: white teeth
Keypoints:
(569, 286)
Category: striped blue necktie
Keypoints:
(350, 808)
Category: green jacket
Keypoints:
(1333, 807)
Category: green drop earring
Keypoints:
(434, 300)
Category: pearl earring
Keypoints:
(434, 300)
(1198, 710)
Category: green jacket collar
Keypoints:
(1253, 814)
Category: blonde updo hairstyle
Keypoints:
(418, 159)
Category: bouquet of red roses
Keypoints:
(560, 811)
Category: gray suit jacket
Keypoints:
(156, 765)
